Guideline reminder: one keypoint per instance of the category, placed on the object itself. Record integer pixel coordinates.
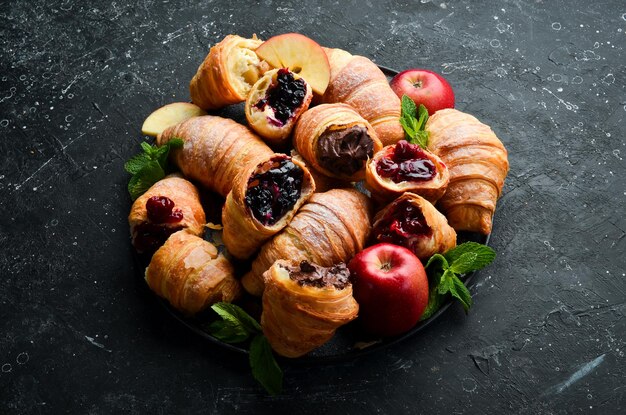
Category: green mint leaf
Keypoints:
(408, 107)
(446, 282)
(264, 367)
(435, 300)
(136, 163)
(409, 132)
(422, 115)
(161, 154)
(176, 142)
(484, 254)
(237, 316)
(147, 148)
(421, 138)
(461, 293)
(144, 179)
(228, 332)
(464, 263)
(437, 257)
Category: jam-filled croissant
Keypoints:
(227, 73)
(171, 204)
(413, 222)
(330, 228)
(191, 275)
(357, 81)
(275, 103)
(406, 167)
(478, 165)
(304, 304)
(336, 141)
(215, 151)
(262, 202)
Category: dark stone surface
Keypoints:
(80, 334)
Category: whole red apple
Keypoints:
(424, 87)
(391, 287)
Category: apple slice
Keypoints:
(301, 55)
(168, 115)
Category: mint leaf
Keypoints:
(136, 163)
(437, 257)
(464, 263)
(461, 293)
(445, 282)
(435, 300)
(176, 142)
(414, 127)
(264, 367)
(421, 138)
(484, 254)
(408, 107)
(237, 316)
(228, 332)
(144, 179)
(422, 115)
(147, 148)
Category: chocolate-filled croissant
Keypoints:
(304, 304)
(262, 202)
(215, 151)
(191, 275)
(413, 222)
(478, 165)
(336, 141)
(357, 81)
(227, 73)
(171, 204)
(330, 228)
(275, 103)
(406, 167)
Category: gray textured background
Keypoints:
(78, 332)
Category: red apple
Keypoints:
(391, 287)
(424, 87)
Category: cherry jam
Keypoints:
(161, 210)
(402, 225)
(284, 96)
(273, 193)
(150, 236)
(407, 162)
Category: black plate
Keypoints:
(348, 343)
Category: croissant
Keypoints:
(216, 149)
(171, 204)
(227, 73)
(413, 222)
(275, 103)
(478, 165)
(331, 228)
(189, 273)
(304, 304)
(323, 183)
(406, 167)
(336, 141)
(262, 202)
(357, 81)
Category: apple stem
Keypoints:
(417, 84)
(385, 266)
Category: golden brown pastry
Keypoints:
(331, 228)
(216, 149)
(263, 201)
(406, 167)
(323, 183)
(191, 275)
(357, 81)
(413, 222)
(171, 204)
(336, 141)
(478, 165)
(274, 104)
(227, 73)
(304, 304)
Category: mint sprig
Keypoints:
(149, 167)
(413, 121)
(238, 326)
(445, 271)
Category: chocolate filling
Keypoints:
(313, 275)
(345, 150)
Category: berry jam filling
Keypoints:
(402, 225)
(273, 193)
(284, 96)
(407, 162)
(150, 236)
(161, 210)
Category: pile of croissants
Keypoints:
(297, 244)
